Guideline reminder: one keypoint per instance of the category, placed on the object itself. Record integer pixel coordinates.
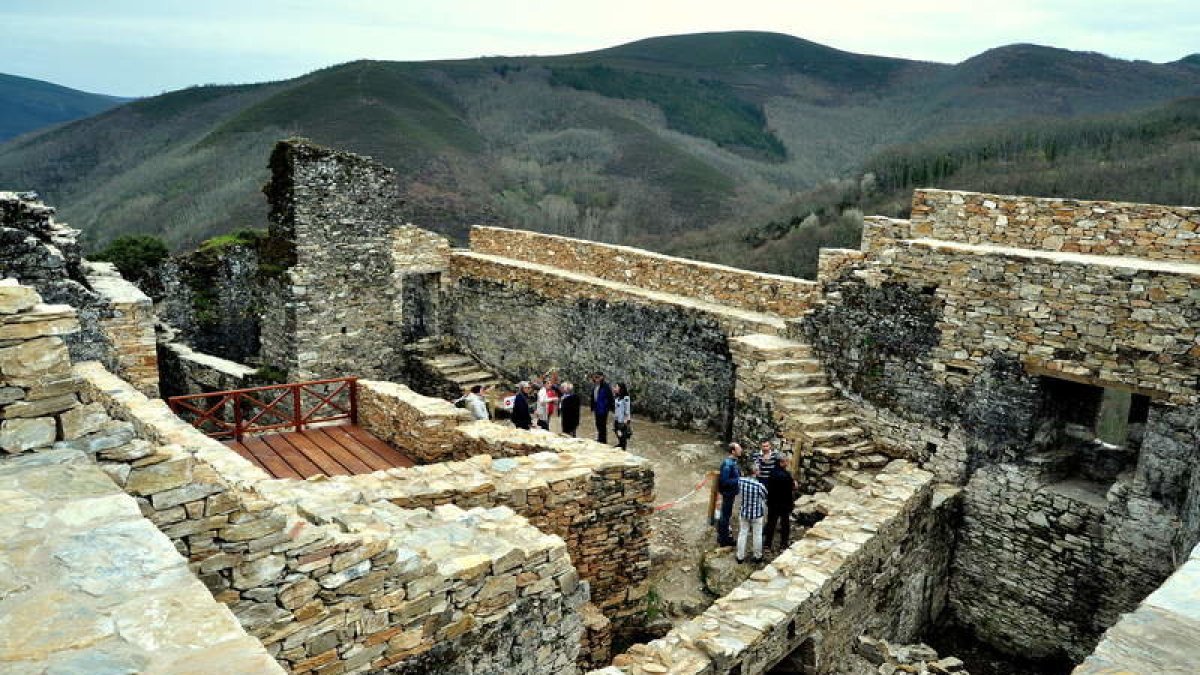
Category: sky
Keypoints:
(146, 47)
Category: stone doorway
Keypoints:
(419, 305)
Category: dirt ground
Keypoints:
(681, 532)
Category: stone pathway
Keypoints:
(89, 586)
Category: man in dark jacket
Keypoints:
(727, 485)
(603, 403)
(781, 497)
(568, 407)
(521, 417)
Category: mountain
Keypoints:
(28, 105)
(1150, 156)
(640, 143)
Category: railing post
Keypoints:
(297, 411)
(237, 417)
(354, 400)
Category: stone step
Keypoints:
(445, 361)
(797, 380)
(840, 436)
(472, 377)
(808, 394)
(462, 369)
(874, 461)
(818, 422)
(807, 407)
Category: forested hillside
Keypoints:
(683, 143)
(1151, 156)
(28, 105)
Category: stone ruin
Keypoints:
(995, 406)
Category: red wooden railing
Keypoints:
(292, 406)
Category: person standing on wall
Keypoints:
(727, 485)
(621, 416)
(568, 407)
(602, 404)
(781, 499)
(521, 418)
(750, 522)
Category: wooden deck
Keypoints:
(334, 450)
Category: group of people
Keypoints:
(538, 400)
(767, 492)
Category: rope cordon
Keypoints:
(691, 492)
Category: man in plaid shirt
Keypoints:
(754, 500)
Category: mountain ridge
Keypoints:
(28, 104)
(632, 143)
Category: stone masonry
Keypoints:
(718, 284)
(972, 338)
(854, 571)
(337, 230)
(334, 583)
(116, 319)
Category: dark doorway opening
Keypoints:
(419, 305)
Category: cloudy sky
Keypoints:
(143, 47)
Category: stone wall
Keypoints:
(1046, 561)
(128, 328)
(115, 318)
(674, 358)
(186, 371)
(769, 293)
(1046, 224)
(1160, 636)
(38, 405)
(91, 586)
(344, 585)
(337, 218)
(876, 563)
(214, 297)
(965, 357)
(596, 498)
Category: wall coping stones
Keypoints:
(202, 360)
(92, 585)
(710, 282)
(1011, 252)
(556, 282)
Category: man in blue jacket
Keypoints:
(727, 485)
(602, 404)
(521, 416)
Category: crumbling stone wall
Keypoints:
(955, 354)
(339, 584)
(675, 359)
(596, 498)
(213, 298)
(115, 318)
(754, 291)
(183, 370)
(38, 403)
(1146, 231)
(876, 563)
(335, 218)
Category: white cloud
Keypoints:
(145, 46)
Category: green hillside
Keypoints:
(28, 105)
(1150, 156)
(653, 143)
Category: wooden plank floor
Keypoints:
(340, 450)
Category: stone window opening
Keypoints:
(1100, 427)
(801, 661)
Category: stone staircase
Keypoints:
(442, 370)
(807, 411)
